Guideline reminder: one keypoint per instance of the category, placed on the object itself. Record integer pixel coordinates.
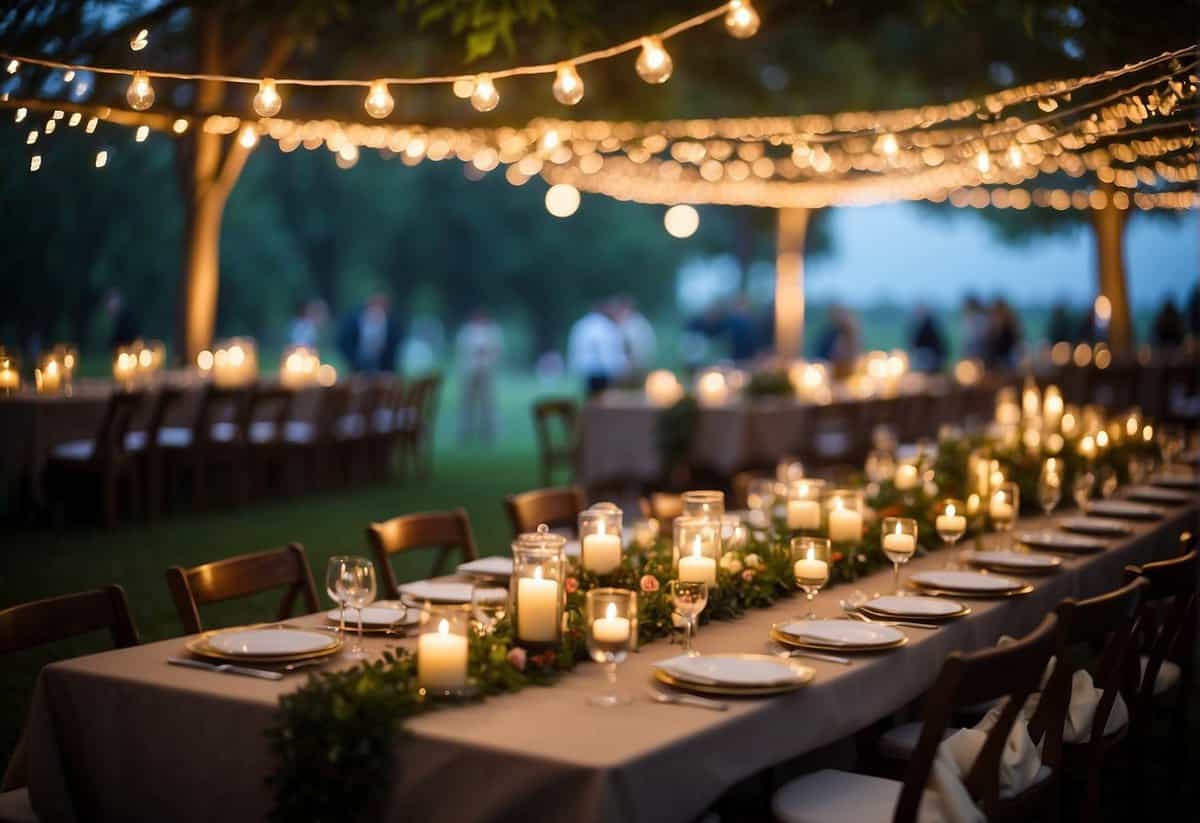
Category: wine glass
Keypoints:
(689, 597)
(488, 606)
(611, 619)
(760, 500)
(334, 570)
(357, 587)
(1049, 488)
(899, 537)
(1106, 481)
(1081, 489)
(810, 564)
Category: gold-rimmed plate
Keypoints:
(1016, 562)
(380, 618)
(202, 646)
(838, 635)
(930, 610)
(735, 675)
(1026, 589)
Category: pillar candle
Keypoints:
(442, 659)
(610, 628)
(899, 543)
(697, 567)
(537, 609)
(811, 572)
(601, 553)
(803, 514)
(906, 477)
(845, 525)
(1000, 509)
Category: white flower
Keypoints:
(753, 561)
(731, 563)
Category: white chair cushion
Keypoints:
(223, 432)
(1168, 675)
(833, 796)
(297, 431)
(262, 431)
(352, 425)
(174, 437)
(16, 808)
(135, 441)
(73, 450)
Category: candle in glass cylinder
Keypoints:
(442, 659)
(601, 552)
(10, 376)
(49, 376)
(1000, 509)
(803, 514)
(698, 568)
(906, 477)
(950, 522)
(810, 571)
(898, 542)
(845, 525)
(537, 608)
(610, 628)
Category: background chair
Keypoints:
(556, 423)
(149, 444)
(663, 507)
(242, 576)
(558, 508)
(445, 531)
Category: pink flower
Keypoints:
(572, 585)
(649, 583)
(516, 658)
(748, 575)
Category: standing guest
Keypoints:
(1169, 327)
(928, 346)
(305, 329)
(595, 350)
(1059, 327)
(124, 325)
(743, 334)
(637, 335)
(839, 343)
(1003, 336)
(479, 345)
(974, 328)
(369, 338)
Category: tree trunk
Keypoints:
(789, 283)
(1109, 225)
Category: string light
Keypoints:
(51, 125)
(32, 137)
(76, 117)
(484, 96)
(91, 125)
(463, 87)
(379, 102)
(140, 40)
(68, 76)
(681, 220)
(248, 137)
(101, 159)
(568, 86)
(562, 200)
(35, 162)
(983, 161)
(654, 64)
(1016, 158)
(12, 66)
(21, 112)
(179, 126)
(741, 20)
(267, 101)
(141, 134)
(140, 93)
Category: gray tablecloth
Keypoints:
(131, 738)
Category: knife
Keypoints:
(225, 668)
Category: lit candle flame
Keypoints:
(611, 611)
(444, 627)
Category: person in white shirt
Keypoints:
(306, 324)
(479, 346)
(596, 351)
(637, 335)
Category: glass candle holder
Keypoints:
(760, 500)
(10, 373)
(1050, 482)
(235, 362)
(442, 650)
(899, 538)
(844, 516)
(704, 504)
(804, 505)
(697, 549)
(950, 520)
(600, 539)
(125, 366)
(68, 358)
(610, 616)
(789, 470)
(539, 569)
(48, 376)
(907, 477)
(734, 533)
(645, 532)
(298, 366)
(810, 565)
(1003, 504)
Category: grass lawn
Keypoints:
(42, 562)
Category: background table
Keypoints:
(130, 738)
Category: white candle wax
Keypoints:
(803, 514)
(442, 659)
(811, 572)
(899, 543)
(610, 628)
(1000, 509)
(537, 609)
(51, 377)
(951, 523)
(906, 477)
(698, 568)
(9, 379)
(845, 526)
(601, 553)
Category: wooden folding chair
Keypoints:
(556, 423)
(558, 508)
(242, 576)
(445, 531)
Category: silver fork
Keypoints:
(673, 698)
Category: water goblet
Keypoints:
(1081, 489)
(899, 538)
(357, 588)
(334, 570)
(611, 619)
(489, 605)
(810, 564)
(689, 597)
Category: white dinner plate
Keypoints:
(380, 615)
(1095, 525)
(1059, 542)
(488, 567)
(952, 580)
(269, 642)
(841, 633)
(915, 606)
(437, 591)
(738, 670)
(1153, 494)
(1177, 480)
(1016, 560)
(1124, 509)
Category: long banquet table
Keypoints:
(123, 736)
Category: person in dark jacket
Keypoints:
(124, 324)
(927, 343)
(369, 338)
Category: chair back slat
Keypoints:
(1168, 634)
(242, 576)
(220, 404)
(118, 416)
(558, 508)
(444, 531)
(272, 404)
(165, 399)
(27, 625)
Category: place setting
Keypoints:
(958, 583)
(1157, 495)
(1015, 561)
(733, 675)
(247, 650)
(1123, 510)
(1061, 542)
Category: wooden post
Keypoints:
(1108, 222)
(789, 283)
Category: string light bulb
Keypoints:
(35, 162)
(140, 93)
(141, 134)
(568, 86)
(101, 159)
(12, 66)
(1016, 158)
(681, 220)
(379, 102)
(68, 76)
(484, 96)
(741, 20)
(248, 137)
(562, 200)
(983, 161)
(21, 112)
(464, 87)
(267, 101)
(140, 40)
(654, 64)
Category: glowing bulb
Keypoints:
(140, 93)
(464, 87)
(248, 137)
(35, 162)
(204, 360)
(12, 66)
(32, 137)
(568, 86)
(347, 156)
(889, 145)
(75, 119)
(741, 20)
(983, 161)
(141, 134)
(68, 76)
(1016, 158)
(550, 141)
(562, 200)
(51, 125)
(379, 102)
(267, 102)
(179, 126)
(484, 96)
(101, 159)
(91, 125)
(21, 112)
(140, 40)
(681, 220)
(654, 64)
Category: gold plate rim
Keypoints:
(734, 691)
(994, 595)
(922, 618)
(199, 645)
(792, 641)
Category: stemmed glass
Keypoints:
(689, 597)
(899, 538)
(1049, 488)
(611, 619)
(334, 570)
(1081, 489)
(760, 500)
(1107, 481)
(488, 606)
(357, 588)
(810, 564)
